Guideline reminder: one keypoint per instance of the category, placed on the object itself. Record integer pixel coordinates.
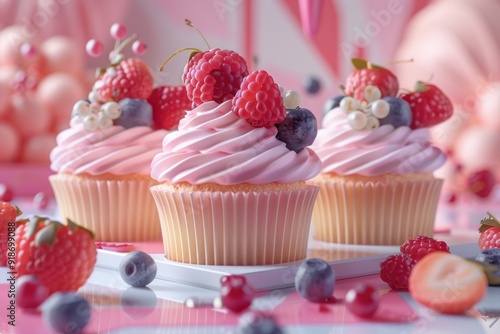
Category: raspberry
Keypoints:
(214, 75)
(420, 246)
(259, 101)
(490, 238)
(395, 271)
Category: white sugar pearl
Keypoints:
(372, 123)
(104, 121)
(380, 108)
(348, 104)
(81, 108)
(94, 96)
(357, 120)
(292, 99)
(372, 93)
(90, 122)
(111, 109)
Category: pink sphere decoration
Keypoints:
(11, 143)
(94, 48)
(62, 55)
(37, 148)
(477, 148)
(41, 201)
(11, 39)
(29, 117)
(6, 193)
(139, 47)
(488, 107)
(118, 31)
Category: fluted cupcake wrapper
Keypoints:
(369, 213)
(235, 228)
(115, 210)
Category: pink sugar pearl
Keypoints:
(28, 116)
(37, 148)
(94, 48)
(139, 47)
(11, 142)
(118, 31)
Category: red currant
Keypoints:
(481, 183)
(6, 194)
(362, 300)
(30, 292)
(236, 293)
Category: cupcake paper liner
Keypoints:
(374, 213)
(235, 228)
(115, 210)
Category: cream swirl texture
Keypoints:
(345, 151)
(213, 145)
(115, 150)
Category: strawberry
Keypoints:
(368, 74)
(429, 105)
(447, 283)
(8, 225)
(130, 78)
(61, 256)
(169, 106)
(490, 233)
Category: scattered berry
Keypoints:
(429, 105)
(40, 201)
(30, 292)
(399, 112)
(169, 106)
(257, 322)
(332, 103)
(490, 256)
(481, 183)
(130, 78)
(298, 130)
(94, 48)
(236, 294)
(214, 75)
(6, 194)
(118, 31)
(362, 300)
(315, 280)
(139, 47)
(41, 241)
(395, 271)
(138, 269)
(137, 303)
(447, 283)
(259, 100)
(66, 312)
(420, 246)
(490, 233)
(8, 225)
(366, 74)
(134, 112)
(312, 85)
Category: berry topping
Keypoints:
(490, 233)
(429, 105)
(481, 183)
(235, 293)
(490, 256)
(30, 292)
(259, 100)
(420, 246)
(395, 271)
(138, 269)
(257, 322)
(362, 300)
(214, 75)
(169, 106)
(66, 312)
(447, 283)
(399, 112)
(315, 280)
(332, 103)
(134, 112)
(298, 130)
(366, 74)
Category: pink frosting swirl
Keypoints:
(214, 145)
(345, 151)
(115, 150)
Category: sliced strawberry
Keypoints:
(429, 105)
(447, 283)
(169, 106)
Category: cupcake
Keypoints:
(231, 192)
(377, 185)
(103, 161)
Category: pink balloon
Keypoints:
(37, 148)
(477, 148)
(488, 107)
(29, 117)
(62, 54)
(4, 98)
(11, 143)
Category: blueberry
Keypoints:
(332, 103)
(135, 112)
(399, 113)
(66, 312)
(315, 280)
(490, 256)
(312, 85)
(257, 322)
(138, 269)
(138, 303)
(298, 130)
